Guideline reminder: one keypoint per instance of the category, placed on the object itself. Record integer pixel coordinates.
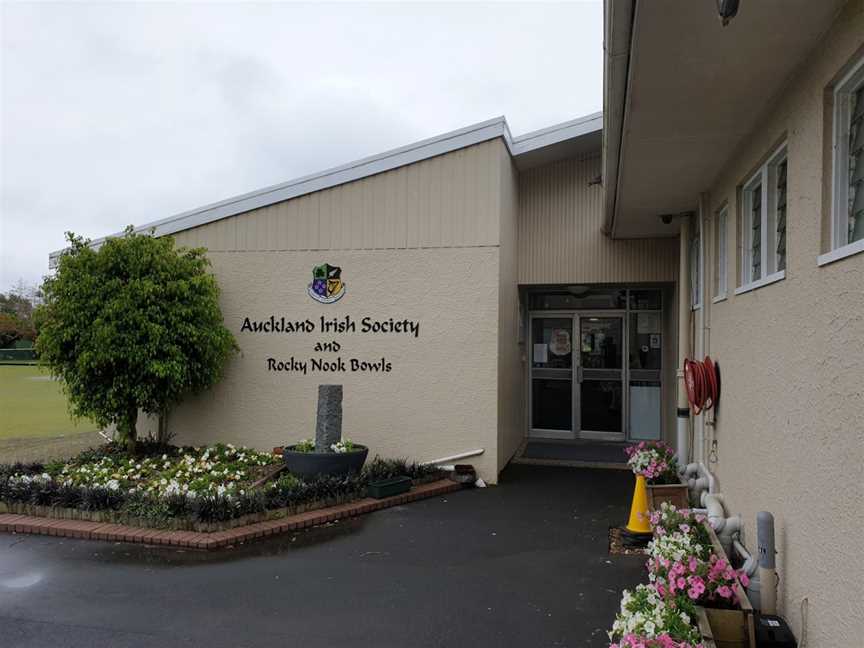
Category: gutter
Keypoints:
(619, 18)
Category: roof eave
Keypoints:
(618, 18)
(368, 166)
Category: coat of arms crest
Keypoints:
(326, 286)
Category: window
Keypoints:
(696, 269)
(847, 226)
(763, 224)
(720, 267)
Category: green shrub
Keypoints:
(133, 325)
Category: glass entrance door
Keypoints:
(552, 377)
(600, 377)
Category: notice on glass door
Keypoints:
(541, 353)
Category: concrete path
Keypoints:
(521, 564)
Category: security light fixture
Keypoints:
(727, 10)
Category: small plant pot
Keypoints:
(389, 487)
(463, 474)
(310, 464)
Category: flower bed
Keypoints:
(690, 581)
(201, 489)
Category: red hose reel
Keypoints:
(703, 383)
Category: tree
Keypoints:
(16, 313)
(134, 325)
(13, 329)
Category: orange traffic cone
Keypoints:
(639, 508)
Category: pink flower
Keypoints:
(693, 564)
(744, 578)
(724, 591)
(681, 583)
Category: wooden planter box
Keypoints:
(731, 628)
(675, 494)
(705, 628)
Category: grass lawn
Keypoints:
(32, 405)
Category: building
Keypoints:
(475, 289)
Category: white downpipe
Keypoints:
(699, 479)
(751, 563)
(461, 455)
(724, 527)
(682, 439)
(682, 428)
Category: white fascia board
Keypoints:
(363, 168)
(558, 133)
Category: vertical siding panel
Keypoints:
(449, 200)
(413, 207)
(560, 237)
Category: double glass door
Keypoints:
(577, 376)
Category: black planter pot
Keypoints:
(309, 464)
(389, 487)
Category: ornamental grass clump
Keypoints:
(653, 460)
(379, 469)
(648, 619)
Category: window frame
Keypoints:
(765, 178)
(840, 246)
(696, 269)
(721, 245)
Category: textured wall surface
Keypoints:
(560, 235)
(418, 242)
(440, 397)
(789, 432)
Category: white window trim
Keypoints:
(697, 286)
(847, 250)
(764, 281)
(840, 245)
(722, 265)
(763, 177)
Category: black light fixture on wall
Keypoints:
(727, 10)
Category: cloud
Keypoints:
(113, 114)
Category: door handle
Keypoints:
(579, 375)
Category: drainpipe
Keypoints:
(751, 563)
(724, 527)
(767, 565)
(699, 479)
(683, 418)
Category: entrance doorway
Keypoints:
(577, 380)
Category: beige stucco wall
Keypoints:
(420, 242)
(440, 397)
(789, 431)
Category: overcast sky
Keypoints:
(126, 113)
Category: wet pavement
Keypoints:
(521, 564)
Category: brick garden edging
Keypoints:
(13, 523)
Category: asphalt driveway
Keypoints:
(521, 564)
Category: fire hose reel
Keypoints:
(703, 384)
